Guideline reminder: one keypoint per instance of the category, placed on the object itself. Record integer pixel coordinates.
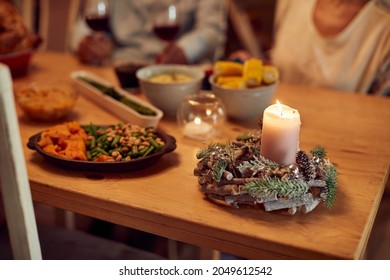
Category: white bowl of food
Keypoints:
(246, 90)
(244, 103)
(166, 85)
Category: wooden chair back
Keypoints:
(53, 20)
(57, 19)
(241, 25)
(15, 187)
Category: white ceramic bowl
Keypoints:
(169, 96)
(244, 104)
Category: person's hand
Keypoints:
(172, 54)
(95, 48)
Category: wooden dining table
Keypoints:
(164, 198)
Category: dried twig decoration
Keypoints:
(236, 173)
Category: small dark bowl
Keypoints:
(126, 74)
(18, 62)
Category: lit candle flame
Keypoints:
(280, 108)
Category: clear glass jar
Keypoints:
(201, 116)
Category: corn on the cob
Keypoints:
(270, 74)
(227, 68)
(252, 74)
(235, 82)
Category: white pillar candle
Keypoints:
(280, 134)
(197, 129)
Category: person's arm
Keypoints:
(207, 39)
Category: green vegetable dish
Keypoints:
(110, 91)
(121, 142)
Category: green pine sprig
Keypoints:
(206, 152)
(269, 162)
(275, 186)
(218, 169)
(331, 181)
(246, 136)
(319, 152)
(258, 163)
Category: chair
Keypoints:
(243, 29)
(57, 19)
(52, 20)
(27, 240)
(14, 181)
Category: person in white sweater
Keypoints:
(338, 44)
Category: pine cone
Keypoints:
(307, 167)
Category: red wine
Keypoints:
(166, 32)
(98, 22)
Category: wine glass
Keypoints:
(166, 22)
(96, 15)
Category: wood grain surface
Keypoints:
(164, 199)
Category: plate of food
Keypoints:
(119, 148)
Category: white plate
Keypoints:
(115, 107)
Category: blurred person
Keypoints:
(338, 44)
(201, 36)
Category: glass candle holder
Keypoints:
(201, 116)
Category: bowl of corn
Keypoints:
(246, 89)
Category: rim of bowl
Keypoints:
(196, 73)
(17, 54)
(240, 90)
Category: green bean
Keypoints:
(154, 144)
(102, 151)
(148, 151)
(98, 144)
(115, 141)
(93, 142)
(94, 153)
(135, 150)
(93, 129)
(102, 138)
(143, 151)
(110, 91)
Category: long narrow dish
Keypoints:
(115, 107)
